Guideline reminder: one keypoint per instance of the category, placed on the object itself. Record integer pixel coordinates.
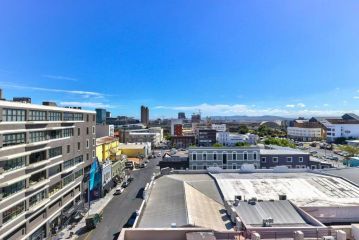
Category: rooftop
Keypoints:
(351, 174)
(282, 152)
(41, 107)
(132, 145)
(303, 188)
(186, 200)
(103, 140)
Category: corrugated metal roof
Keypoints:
(282, 212)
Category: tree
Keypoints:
(352, 151)
(243, 129)
(242, 144)
(283, 142)
(217, 145)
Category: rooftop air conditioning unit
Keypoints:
(282, 197)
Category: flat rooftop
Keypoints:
(186, 200)
(302, 188)
(282, 152)
(351, 174)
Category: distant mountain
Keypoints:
(249, 118)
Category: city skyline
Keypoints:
(297, 59)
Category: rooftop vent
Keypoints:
(282, 197)
(21, 99)
(52, 104)
(267, 222)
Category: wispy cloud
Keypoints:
(299, 105)
(86, 104)
(240, 109)
(59, 77)
(84, 94)
(356, 97)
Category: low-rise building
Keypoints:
(206, 137)
(154, 136)
(219, 127)
(306, 130)
(230, 139)
(105, 130)
(178, 160)
(270, 158)
(135, 150)
(223, 157)
(183, 141)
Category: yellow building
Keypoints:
(107, 148)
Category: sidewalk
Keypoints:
(96, 205)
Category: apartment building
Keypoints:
(230, 139)
(223, 157)
(305, 130)
(44, 153)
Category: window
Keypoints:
(263, 159)
(245, 156)
(55, 188)
(301, 159)
(13, 115)
(78, 117)
(93, 154)
(54, 170)
(254, 155)
(224, 158)
(54, 134)
(93, 130)
(87, 156)
(15, 163)
(289, 159)
(79, 146)
(194, 167)
(275, 159)
(78, 173)
(13, 212)
(78, 131)
(35, 115)
(68, 148)
(94, 142)
(53, 152)
(68, 132)
(214, 155)
(234, 156)
(204, 156)
(13, 139)
(37, 136)
(13, 188)
(234, 166)
(69, 163)
(55, 116)
(194, 156)
(87, 143)
(87, 131)
(37, 157)
(37, 198)
(93, 118)
(68, 179)
(87, 118)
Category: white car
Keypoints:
(118, 190)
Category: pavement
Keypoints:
(119, 208)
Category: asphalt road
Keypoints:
(323, 152)
(120, 208)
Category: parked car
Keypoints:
(118, 190)
(142, 165)
(130, 179)
(313, 152)
(125, 184)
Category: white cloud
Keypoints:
(240, 109)
(84, 94)
(356, 97)
(59, 77)
(290, 105)
(85, 104)
(301, 105)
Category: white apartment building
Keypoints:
(219, 127)
(304, 134)
(230, 139)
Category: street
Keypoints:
(323, 152)
(120, 208)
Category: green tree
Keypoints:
(242, 144)
(243, 129)
(283, 142)
(217, 145)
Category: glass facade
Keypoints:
(68, 132)
(68, 179)
(55, 188)
(73, 116)
(13, 115)
(13, 188)
(37, 136)
(37, 198)
(13, 139)
(53, 152)
(55, 116)
(13, 212)
(15, 163)
(35, 115)
(54, 170)
(37, 157)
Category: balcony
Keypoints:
(37, 159)
(37, 180)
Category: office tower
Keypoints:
(145, 115)
(100, 116)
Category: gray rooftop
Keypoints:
(282, 212)
(351, 174)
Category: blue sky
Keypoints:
(289, 58)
